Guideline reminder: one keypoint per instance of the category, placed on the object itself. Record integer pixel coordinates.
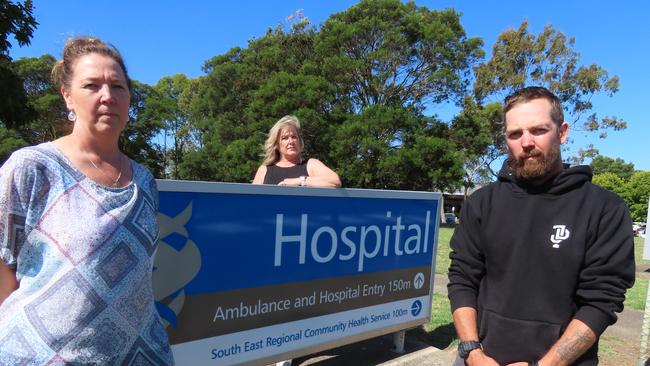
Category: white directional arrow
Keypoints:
(418, 281)
(416, 308)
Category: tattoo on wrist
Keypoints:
(575, 346)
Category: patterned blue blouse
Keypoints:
(83, 255)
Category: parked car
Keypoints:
(450, 218)
(639, 228)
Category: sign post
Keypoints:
(646, 245)
(257, 274)
(645, 329)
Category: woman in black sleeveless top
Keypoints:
(283, 163)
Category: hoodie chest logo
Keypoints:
(561, 234)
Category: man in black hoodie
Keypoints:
(542, 258)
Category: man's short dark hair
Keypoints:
(535, 92)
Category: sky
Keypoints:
(162, 38)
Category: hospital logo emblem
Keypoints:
(561, 234)
(175, 251)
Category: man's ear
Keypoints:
(564, 132)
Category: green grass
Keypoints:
(442, 256)
(638, 250)
(439, 331)
(636, 296)
(604, 347)
(440, 313)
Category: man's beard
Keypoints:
(538, 168)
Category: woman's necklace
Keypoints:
(107, 176)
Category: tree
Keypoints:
(49, 119)
(635, 193)
(385, 52)
(9, 142)
(477, 132)
(387, 60)
(360, 85)
(164, 105)
(520, 58)
(138, 137)
(235, 104)
(16, 20)
(602, 164)
(428, 163)
(610, 181)
(14, 105)
(395, 148)
(308, 97)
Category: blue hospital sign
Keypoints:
(250, 273)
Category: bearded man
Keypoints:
(542, 258)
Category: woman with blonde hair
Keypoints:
(283, 163)
(78, 231)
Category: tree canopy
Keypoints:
(620, 177)
(359, 85)
(603, 164)
(17, 21)
(610, 181)
(636, 192)
(389, 53)
(366, 85)
(521, 58)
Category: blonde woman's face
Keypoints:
(289, 143)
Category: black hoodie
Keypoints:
(531, 259)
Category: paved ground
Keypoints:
(621, 343)
(377, 351)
